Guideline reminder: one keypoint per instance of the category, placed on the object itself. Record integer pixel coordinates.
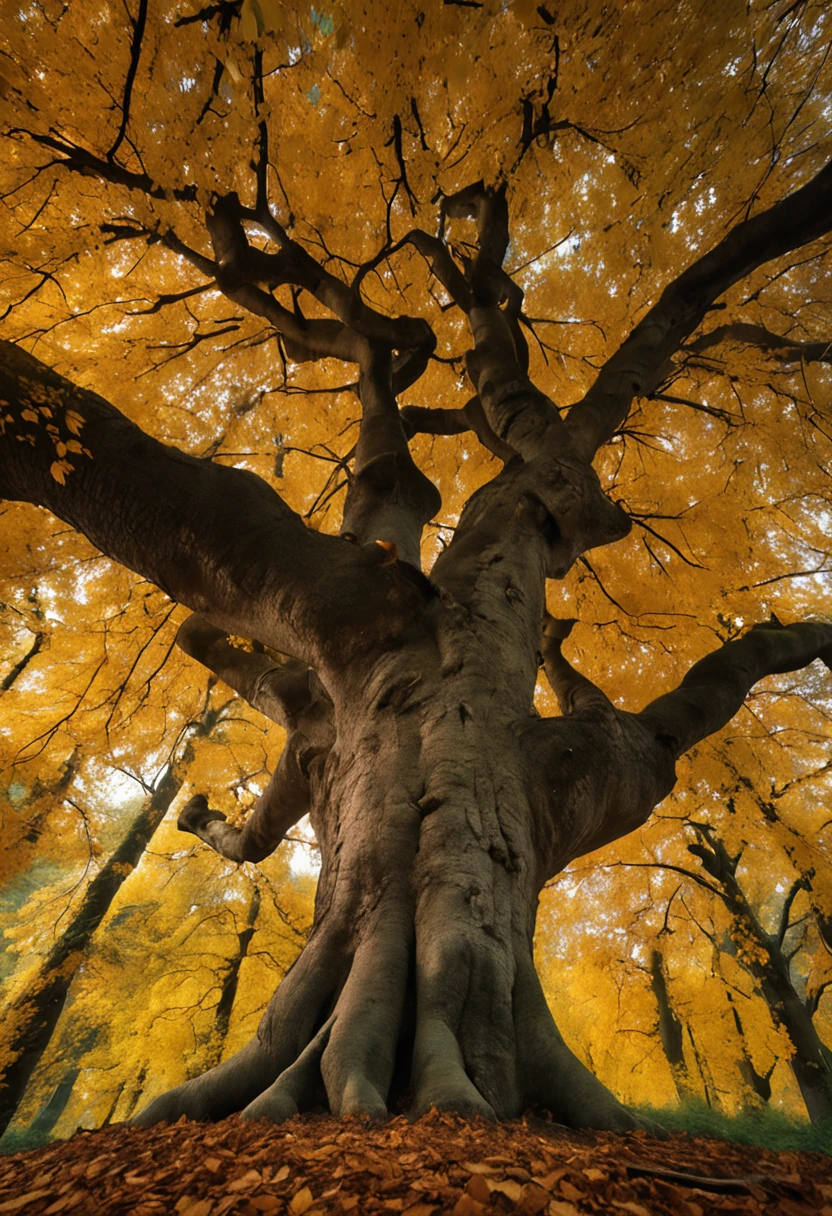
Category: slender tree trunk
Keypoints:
(671, 1029)
(811, 1060)
(35, 1014)
(22, 663)
(756, 1083)
(230, 982)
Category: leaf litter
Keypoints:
(439, 1164)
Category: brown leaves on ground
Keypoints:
(440, 1164)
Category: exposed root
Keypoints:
(296, 1087)
(218, 1093)
(554, 1079)
(439, 1073)
(463, 1060)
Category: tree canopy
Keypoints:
(182, 183)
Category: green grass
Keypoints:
(765, 1128)
(22, 1141)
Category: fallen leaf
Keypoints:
(535, 1199)
(250, 1179)
(594, 1175)
(557, 1207)
(550, 1179)
(511, 1189)
(15, 1205)
(301, 1202)
(478, 1188)
(466, 1206)
(196, 1207)
(569, 1191)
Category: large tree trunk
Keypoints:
(417, 987)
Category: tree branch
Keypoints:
(757, 335)
(279, 687)
(135, 53)
(635, 369)
(215, 538)
(576, 695)
(716, 687)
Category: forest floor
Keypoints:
(439, 1164)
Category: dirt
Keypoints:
(438, 1164)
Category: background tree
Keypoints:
(202, 289)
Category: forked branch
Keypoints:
(636, 367)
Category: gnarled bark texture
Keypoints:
(441, 801)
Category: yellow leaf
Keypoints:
(301, 1202)
(57, 471)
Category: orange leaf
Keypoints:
(301, 1202)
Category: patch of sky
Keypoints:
(294, 53)
(41, 873)
(187, 83)
(571, 245)
(16, 793)
(324, 22)
(314, 94)
(304, 859)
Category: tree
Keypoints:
(405, 679)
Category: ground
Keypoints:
(438, 1164)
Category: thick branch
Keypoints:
(288, 692)
(716, 687)
(278, 687)
(635, 368)
(576, 695)
(389, 499)
(284, 801)
(422, 420)
(757, 335)
(215, 538)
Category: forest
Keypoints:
(395, 409)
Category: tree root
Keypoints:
(346, 1062)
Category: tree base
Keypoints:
(303, 1067)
